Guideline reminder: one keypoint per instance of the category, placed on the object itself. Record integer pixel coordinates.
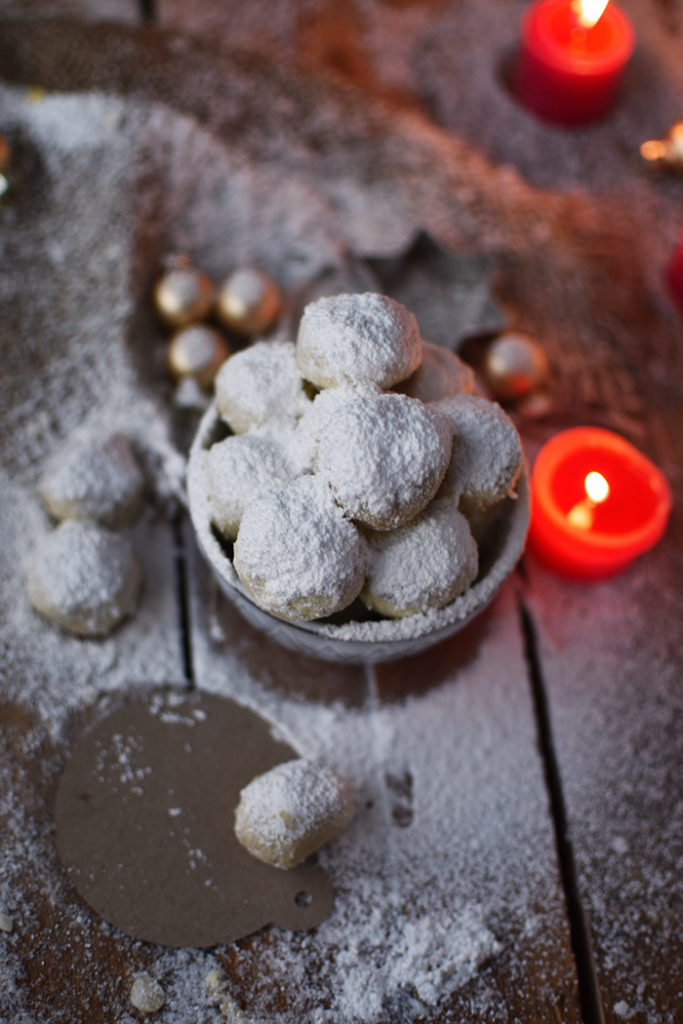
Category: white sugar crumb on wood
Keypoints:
(289, 812)
(146, 994)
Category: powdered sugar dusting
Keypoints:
(384, 455)
(357, 339)
(406, 929)
(298, 554)
(422, 565)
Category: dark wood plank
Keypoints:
(611, 657)
(447, 878)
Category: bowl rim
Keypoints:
(355, 641)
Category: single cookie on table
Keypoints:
(260, 384)
(383, 454)
(487, 452)
(95, 476)
(358, 340)
(298, 554)
(440, 374)
(239, 469)
(424, 564)
(289, 812)
(83, 577)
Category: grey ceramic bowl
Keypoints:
(356, 636)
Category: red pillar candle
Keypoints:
(571, 58)
(675, 276)
(597, 503)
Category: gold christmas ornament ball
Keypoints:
(183, 296)
(248, 302)
(197, 351)
(514, 366)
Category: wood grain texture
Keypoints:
(578, 237)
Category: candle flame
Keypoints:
(597, 487)
(597, 491)
(588, 12)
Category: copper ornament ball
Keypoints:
(248, 302)
(183, 296)
(514, 366)
(197, 351)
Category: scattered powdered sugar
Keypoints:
(449, 850)
(384, 455)
(297, 552)
(357, 339)
(287, 813)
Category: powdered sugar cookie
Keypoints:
(95, 476)
(487, 454)
(84, 578)
(239, 469)
(383, 455)
(358, 340)
(289, 812)
(440, 374)
(298, 554)
(425, 564)
(260, 384)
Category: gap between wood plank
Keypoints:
(183, 597)
(148, 11)
(589, 991)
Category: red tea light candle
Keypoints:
(596, 503)
(674, 276)
(571, 59)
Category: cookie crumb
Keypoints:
(146, 994)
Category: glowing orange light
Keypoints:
(588, 12)
(597, 490)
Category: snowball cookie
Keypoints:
(84, 578)
(440, 374)
(422, 565)
(95, 476)
(289, 812)
(357, 339)
(238, 469)
(384, 455)
(487, 453)
(260, 384)
(298, 554)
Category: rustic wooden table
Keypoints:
(517, 856)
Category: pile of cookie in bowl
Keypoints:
(351, 493)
